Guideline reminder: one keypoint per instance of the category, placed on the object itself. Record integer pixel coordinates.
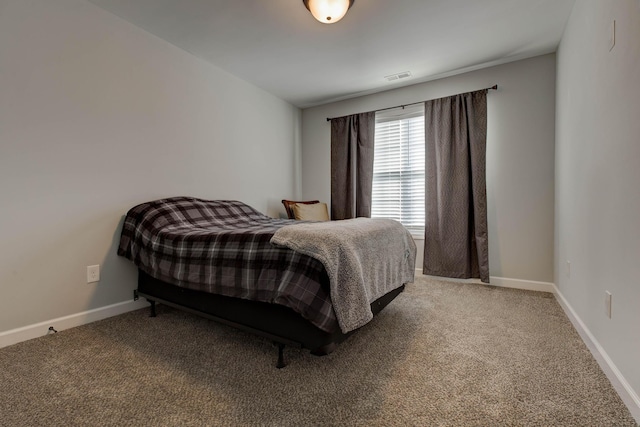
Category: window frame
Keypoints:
(407, 156)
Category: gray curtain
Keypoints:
(352, 165)
(456, 242)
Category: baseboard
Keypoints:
(25, 333)
(529, 285)
(503, 282)
(619, 383)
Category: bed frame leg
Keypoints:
(153, 308)
(280, 363)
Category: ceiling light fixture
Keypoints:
(328, 11)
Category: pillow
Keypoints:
(314, 212)
(288, 206)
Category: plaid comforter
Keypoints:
(223, 247)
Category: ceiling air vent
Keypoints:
(398, 76)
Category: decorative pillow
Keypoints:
(314, 212)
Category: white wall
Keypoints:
(520, 157)
(598, 177)
(96, 116)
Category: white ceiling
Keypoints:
(277, 45)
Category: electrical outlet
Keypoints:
(607, 304)
(568, 270)
(93, 273)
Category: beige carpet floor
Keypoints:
(442, 354)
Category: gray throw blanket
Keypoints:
(365, 258)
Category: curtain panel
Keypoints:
(456, 243)
(352, 165)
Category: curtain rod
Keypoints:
(494, 87)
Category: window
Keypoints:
(398, 167)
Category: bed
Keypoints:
(277, 278)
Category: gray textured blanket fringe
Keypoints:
(365, 258)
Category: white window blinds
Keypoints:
(398, 167)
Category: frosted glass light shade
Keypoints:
(328, 11)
